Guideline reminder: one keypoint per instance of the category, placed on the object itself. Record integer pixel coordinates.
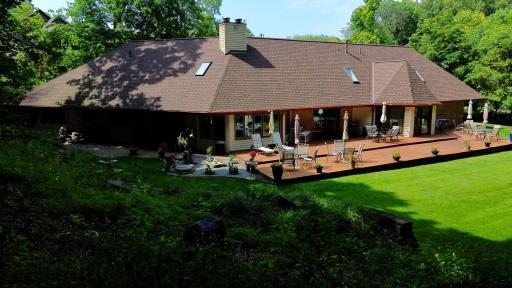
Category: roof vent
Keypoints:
(351, 75)
(419, 75)
(232, 36)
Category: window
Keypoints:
(203, 68)
(351, 75)
(419, 75)
(212, 127)
(246, 125)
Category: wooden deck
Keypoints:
(377, 156)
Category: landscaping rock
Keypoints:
(401, 227)
(210, 230)
(120, 184)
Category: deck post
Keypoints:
(434, 121)
(409, 121)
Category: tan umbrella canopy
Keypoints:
(296, 129)
(470, 110)
(271, 122)
(486, 113)
(345, 126)
(383, 118)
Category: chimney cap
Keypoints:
(238, 20)
(225, 19)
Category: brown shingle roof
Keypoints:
(273, 74)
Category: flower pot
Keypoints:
(277, 173)
(396, 159)
(435, 153)
(487, 145)
(133, 151)
(319, 169)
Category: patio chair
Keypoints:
(477, 131)
(310, 160)
(338, 150)
(495, 133)
(371, 132)
(394, 133)
(258, 144)
(358, 155)
(276, 137)
(347, 152)
(459, 127)
(386, 136)
(302, 151)
(287, 157)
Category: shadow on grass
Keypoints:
(490, 261)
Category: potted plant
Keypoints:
(467, 145)
(487, 142)
(352, 161)
(319, 167)
(396, 156)
(209, 170)
(233, 165)
(435, 151)
(277, 171)
(209, 152)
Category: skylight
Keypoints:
(351, 75)
(203, 68)
(419, 75)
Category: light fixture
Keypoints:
(320, 111)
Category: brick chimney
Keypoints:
(232, 36)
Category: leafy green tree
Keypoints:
(397, 20)
(491, 72)
(448, 40)
(321, 37)
(363, 26)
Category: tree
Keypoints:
(491, 72)
(363, 25)
(448, 40)
(321, 37)
(397, 20)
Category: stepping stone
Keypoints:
(120, 184)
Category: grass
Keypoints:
(60, 224)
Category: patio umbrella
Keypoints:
(470, 110)
(271, 122)
(486, 113)
(383, 118)
(345, 126)
(296, 129)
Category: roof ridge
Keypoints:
(230, 56)
(171, 39)
(328, 42)
(410, 70)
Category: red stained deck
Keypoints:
(377, 156)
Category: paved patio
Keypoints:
(377, 156)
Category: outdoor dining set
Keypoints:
(383, 134)
(300, 157)
(479, 130)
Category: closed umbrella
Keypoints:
(470, 110)
(486, 113)
(296, 129)
(271, 122)
(383, 118)
(345, 126)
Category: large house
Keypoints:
(225, 88)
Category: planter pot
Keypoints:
(319, 169)
(487, 145)
(251, 168)
(133, 151)
(435, 153)
(277, 173)
(396, 159)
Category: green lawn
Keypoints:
(471, 196)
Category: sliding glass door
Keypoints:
(423, 121)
